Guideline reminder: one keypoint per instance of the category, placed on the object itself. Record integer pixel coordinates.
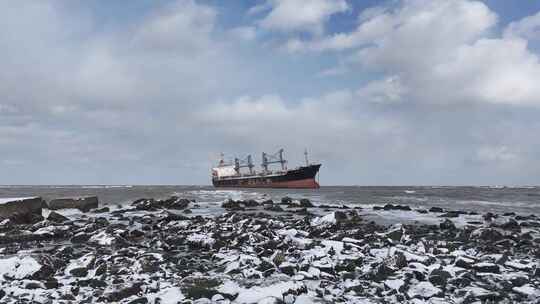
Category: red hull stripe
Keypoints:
(308, 183)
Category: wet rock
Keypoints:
(274, 208)
(51, 283)
(141, 300)
(381, 273)
(487, 268)
(305, 203)
(250, 203)
(286, 200)
(116, 296)
(489, 217)
(21, 210)
(196, 288)
(439, 277)
(232, 205)
(57, 217)
(80, 238)
(447, 225)
(519, 281)
(287, 268)
(464, 263)
(92, 282)
(102, 210)
(79, 272)
(451, 214)
(174, 202)
(511, 224)
(396, 207)
(84, 204)
(436, 209)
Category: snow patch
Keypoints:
(18, 267)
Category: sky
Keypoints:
(397, 92)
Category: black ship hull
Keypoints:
(303, 177)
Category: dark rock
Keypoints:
(288, 269)
(395, 235)
(57, 217)
(400, 260)
(32, 285)
(141, 300)
(447, 225)
(422, 211)
(80, 238)
(305, 203)
(511, 224)
(489, 216)
(123, 293)
(84, 204)
(509, 214)
(136, 233)
(396, 207)
(487, 267)
(232, 205)
(340, 216)
(101, 269)
(451, 214)
(439, 277)
(79, 272)
(167, 216)
(250, 203)
(519, 281)
(102, 210)
(436, 209)
(286, 200)
(22, 211)
(174, 202)
(197, 288)
(488, 235)
(52, 283)
(381, 273)
(93, 282)
(463, 263)
(275, 208)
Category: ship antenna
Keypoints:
(221, 159)
(306, 155)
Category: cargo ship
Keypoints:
(230, 175)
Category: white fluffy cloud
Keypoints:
(443, 51)
(299, 15)
(528, 28)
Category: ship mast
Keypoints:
(273, 159)
(244, 163)
(306, 156)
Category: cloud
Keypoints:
(428, 92)
(388, 90)
(527, 28)
(183, 25)
(298, 15)
(246, 33)
(443, 51)
(497, 154)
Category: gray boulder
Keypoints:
(84, 204)
(21, 210)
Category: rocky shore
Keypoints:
(156, 251)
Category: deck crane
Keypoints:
(273, 159)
